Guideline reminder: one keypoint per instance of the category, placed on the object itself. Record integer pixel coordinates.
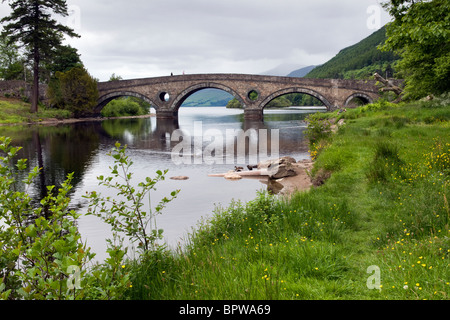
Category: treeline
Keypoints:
(359, 61)
(287, 100)
(420, 35)
(44, 59)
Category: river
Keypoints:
(82, 148)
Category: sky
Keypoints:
(150, 38)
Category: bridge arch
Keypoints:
(365, 98)
(200, 86)
(105, 99)
(310, 92)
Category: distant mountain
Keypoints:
(208, 98)
(359, 61)
(300, 73)
(282, 70)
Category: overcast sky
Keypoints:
(137, 38)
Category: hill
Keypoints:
(300, 73)
(359, 61)
(208, 98)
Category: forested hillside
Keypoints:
(208, 98)
(359, 61)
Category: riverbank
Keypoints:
(56, 121)
(377, 227)
(283, 176)
(17, 112)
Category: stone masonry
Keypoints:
(166, 94)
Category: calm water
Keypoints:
(82, 148)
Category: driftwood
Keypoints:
(389, 86)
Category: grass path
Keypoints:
(377, 229)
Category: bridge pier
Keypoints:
(166, 114)
(253, 114)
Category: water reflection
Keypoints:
(81, 148)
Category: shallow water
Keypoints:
(82, 148)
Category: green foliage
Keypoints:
(63, 59)
(317, 129)
(385, 161)
(234, 104)
(358, 61)
(128, 106)
(42, 256)
(11, 66)
(115, 77)
(294, 99)
(125, 212)
(210, 97)
(74, 90)
(287, 100)
(31, 25)
(19, 112)
(38, 245)
(420, 34)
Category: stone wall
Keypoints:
(21, 90)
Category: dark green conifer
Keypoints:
(32, 26)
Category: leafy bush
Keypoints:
(38, 245)
(122, 107)
(317, 129)
(74, 90)
(126, 215)
(42, 256)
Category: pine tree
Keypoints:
(32, 26)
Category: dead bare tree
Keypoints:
(389, 86)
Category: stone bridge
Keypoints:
(167, 94)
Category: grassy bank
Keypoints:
(13, 111)
(376, 229)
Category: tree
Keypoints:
(420, 34)
(32, 26)
(11, 65)
(234, 104)
(75, 90)
(115, 77)
(63, 59)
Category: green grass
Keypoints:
(386, 204)
(16, 111)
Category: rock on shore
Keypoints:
(283, 175)
(279, 168)
(291, 183)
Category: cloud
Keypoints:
(141, 38)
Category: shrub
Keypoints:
(122, 107)
(74, 90)
(317, 129)
(124, 213)
(40, 246)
